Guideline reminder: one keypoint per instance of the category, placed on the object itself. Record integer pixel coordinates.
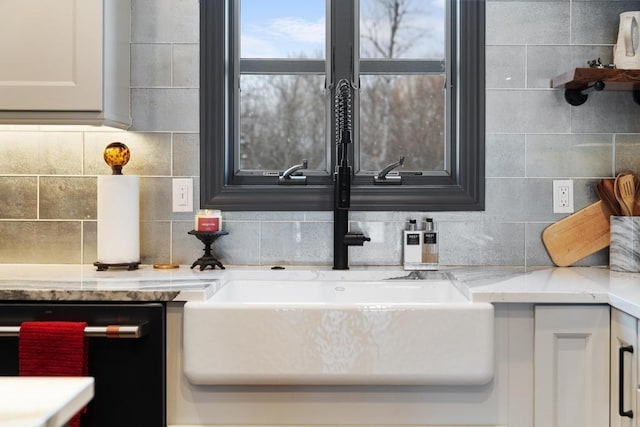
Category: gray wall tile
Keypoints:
(156, 199)
(608, 112)
(57, 242)
(48, 153)
(507, 155)
(241, 246)
(385, 247)
(20, 195)
(186, 154)
(186, 63)
(185, 249)
(89, 242)
(68, 198)
(483, 243)
(174, 110)
(627, 157)
(569, 156)
(526, 22)
(155, 241)
(151, 65)
(518, 111)
(156, 21)
(505, 66)
(296, 243)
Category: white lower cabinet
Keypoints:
(571, 366)
(624, 375)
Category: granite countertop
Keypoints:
(58, 282)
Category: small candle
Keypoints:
(209, 220)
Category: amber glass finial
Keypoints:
(117, 155)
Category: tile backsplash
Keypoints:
(48, 175)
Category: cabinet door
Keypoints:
(571, 366)
(51, 55)
(623, 375)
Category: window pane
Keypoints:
(402, 29)
(282, 121)
(282, 28)
(402, 116)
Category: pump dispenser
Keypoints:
(430, 254)
(412, 244)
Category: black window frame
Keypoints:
(462, 190)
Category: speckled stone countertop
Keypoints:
(53, 282)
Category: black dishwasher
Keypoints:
(126, 356)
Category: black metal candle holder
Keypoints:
(208, 237)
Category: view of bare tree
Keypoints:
(282, 118)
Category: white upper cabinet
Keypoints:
(65, 62)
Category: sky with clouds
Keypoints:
(287, 28)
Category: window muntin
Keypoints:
(223, 184)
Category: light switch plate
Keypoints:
(182, 195)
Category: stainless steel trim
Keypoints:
(110, 331)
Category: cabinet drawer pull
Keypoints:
(621, 410)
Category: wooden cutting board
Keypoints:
(578, 235)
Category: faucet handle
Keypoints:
(382, 176)
(355, 239)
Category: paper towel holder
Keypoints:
(102, 266)
(116, 155)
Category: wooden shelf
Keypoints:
(581, 80)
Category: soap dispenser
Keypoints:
(412, 244)
(430, 246)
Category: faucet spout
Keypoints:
(342, 238)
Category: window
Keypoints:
(268, 82)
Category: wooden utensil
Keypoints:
(606, 192)
(636, 201)
(578, 235)
(625, 192)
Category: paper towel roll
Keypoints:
(118, 219)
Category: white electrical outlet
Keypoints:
(562, 196)
(182, 195)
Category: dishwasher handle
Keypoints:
(109, 331)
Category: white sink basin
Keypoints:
(338, 332)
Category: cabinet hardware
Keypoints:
(110, 331)
(621, 352)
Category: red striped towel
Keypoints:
(53, 349)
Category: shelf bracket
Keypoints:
(577, 97)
